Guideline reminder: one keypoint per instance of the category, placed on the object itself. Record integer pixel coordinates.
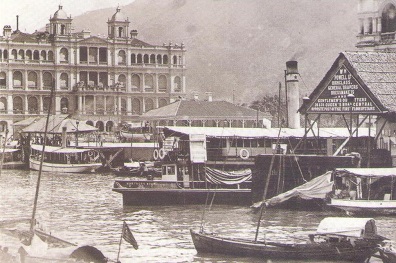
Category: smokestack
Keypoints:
(293, 95)
(17, 23)
(64, 137)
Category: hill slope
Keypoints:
(242, 45)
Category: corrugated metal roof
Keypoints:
(266, 132)
(196, 109)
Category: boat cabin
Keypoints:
(365, 183)
(334, 228)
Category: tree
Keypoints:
(273, 106)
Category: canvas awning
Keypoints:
(233, 132)
(53, 149)
(347, 226)
(365, 172)
(318, 187)
(56, 124)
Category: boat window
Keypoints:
(239, 142)
(171, 170)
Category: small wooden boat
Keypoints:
(365, 191)
(349, 239)
(64, 159)
(12, 158)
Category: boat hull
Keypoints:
(207, 243)
(64, 168)
(365, 207)
(148, 193)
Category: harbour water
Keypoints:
(81, 208)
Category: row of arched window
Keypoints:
(92, 56)
(93, 79)
(35, 55)
(101, 105)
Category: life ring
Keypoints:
(244, 154)
(156, 154)
(161, 153)
(91, 153)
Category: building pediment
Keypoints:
(348, 77)
(93, 40)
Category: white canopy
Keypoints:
(264, 132)
(53, 149)
(348, 226)
(365, 172)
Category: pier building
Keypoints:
(100, 80)
(361, 85)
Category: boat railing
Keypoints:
(136, 184)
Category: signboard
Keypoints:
(198, 148)
(333, 98)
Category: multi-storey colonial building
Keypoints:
(101, 80)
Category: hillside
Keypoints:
(242, 45)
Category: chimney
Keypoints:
(209, 96)
(7, 31)
(64, 137)
(293, 95)
(17, 17)
(134, 33)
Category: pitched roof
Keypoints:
(373, 72)
(56, 123)
(378, 71)
(19, 36)
(193, 109)
(139, 43)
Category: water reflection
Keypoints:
(84, 210)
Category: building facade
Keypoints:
(103, 81)
(377, 25)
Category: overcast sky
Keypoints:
(34, 14)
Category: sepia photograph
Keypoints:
(197, 131)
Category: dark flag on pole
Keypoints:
(127, 235)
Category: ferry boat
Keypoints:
(64, 159)
(367, 191)
(183, 183)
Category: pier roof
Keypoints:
(265, 132)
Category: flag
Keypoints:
(127, 235)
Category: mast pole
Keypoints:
(32, 222)
(119, 245)
(267, 184)
(4, 145)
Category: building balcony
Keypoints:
(390, 36)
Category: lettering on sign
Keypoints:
(333, 98)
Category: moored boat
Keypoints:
(365, 191)
(12, 158)
(183, 184)
(350, 239)
(64, 159)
